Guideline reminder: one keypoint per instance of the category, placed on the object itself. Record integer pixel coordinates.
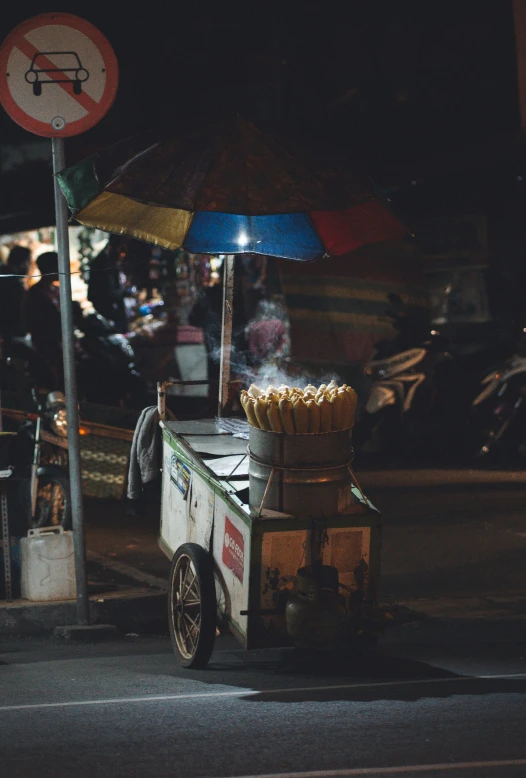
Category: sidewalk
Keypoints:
(136, 608)
(127, 579)
(132, 600)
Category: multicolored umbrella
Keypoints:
(225, 189)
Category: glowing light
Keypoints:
(242, 239)
(215, 263)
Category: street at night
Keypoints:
(127, 709)
(263, 390)
(446, 686)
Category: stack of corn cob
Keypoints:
(292, 410)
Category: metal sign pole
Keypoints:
(226, 331)
(1, 360)
(70, 385)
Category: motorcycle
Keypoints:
(106, 364)
(105, 361)
(498, 412)
(43, 442)
(404, 400)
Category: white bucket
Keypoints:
(47, 565)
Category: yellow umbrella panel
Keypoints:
(166, 227)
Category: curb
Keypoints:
(85, 633)
(144, 612)
(435, 632)
(141, 611)
(465, 619)
(487, 607)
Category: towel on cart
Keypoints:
(146, 452)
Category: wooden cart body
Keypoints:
(255, 557)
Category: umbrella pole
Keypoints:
(226, 332)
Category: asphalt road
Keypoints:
(126, 709)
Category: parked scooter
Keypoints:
(105, 361)
(404, 394)
(43, 441)
(498, 413)
(107, 371)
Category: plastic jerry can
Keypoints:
(47, 565)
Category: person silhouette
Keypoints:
(42, 310)
(12, 295)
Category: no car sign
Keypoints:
(58, 75)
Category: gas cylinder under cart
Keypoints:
(275, 578)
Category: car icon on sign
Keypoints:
(63, 68)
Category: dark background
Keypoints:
(384, 83)
(421, 96)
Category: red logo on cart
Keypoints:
(234, 550)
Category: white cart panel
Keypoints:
(231, 551)
(173, 503)
(187, 508)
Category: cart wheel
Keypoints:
(192, 605)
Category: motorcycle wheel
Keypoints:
(53, 504)
(500, 434)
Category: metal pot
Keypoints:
(308, 473)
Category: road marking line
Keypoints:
(413, 768)
(255, 693)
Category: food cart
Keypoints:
(270, 532)
(270, 529)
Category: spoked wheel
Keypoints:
(192, 605)
(53, 503)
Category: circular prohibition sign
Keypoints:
(58, 75)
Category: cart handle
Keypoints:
(266, 492)
(364, 498)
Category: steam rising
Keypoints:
(270, 373)
(273, 369)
